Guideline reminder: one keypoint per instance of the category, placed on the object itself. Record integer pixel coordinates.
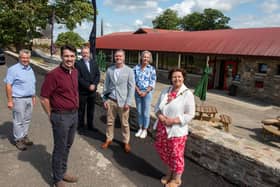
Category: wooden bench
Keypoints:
(210, 111)
(271, 129)
(225, 120)
(272, 126)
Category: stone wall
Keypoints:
(248, 69)
(241, 161)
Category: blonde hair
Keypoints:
(150, 54)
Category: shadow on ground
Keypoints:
(6, 131)
(40, 159)
(36, 155)
(132, 164)
(261, 137)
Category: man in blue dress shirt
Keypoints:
(20, 90)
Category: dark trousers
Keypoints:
(86, 102)
(64, 127)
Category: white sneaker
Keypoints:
(143, 134)
(139, 132)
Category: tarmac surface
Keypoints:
(94, 166)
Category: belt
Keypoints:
(29, 96)
(113, 99)
(65, 111)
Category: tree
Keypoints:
(71, 38)
(167, 20)
(210, 19)
(21, 21)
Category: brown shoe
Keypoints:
(174, 183)
(106, 144)
(20, 145)
(127, 148)
(70, 178)
(60, 184)
(27, 141)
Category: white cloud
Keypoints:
(138, 23)
(189, 6)
(183, 8)
(270, 6)
(131, 5)
(249, 21)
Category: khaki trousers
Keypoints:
(112, 112)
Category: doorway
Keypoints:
(228, 71)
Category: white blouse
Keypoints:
(183, 106)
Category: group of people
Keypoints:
(69, 91)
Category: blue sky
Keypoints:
(128, 15)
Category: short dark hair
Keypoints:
(69, 47)
(176, 70)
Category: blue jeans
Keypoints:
(143, 106)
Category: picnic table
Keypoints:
(210, 111)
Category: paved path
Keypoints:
(94, 166)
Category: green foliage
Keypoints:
(210, 19)
(167, 20)
(21, 21)
(101, 61)
(71, 38)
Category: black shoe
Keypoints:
(27, 141)
(20, 145)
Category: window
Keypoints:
(108, 55)
(131, 57)
(262, 68)
(167, 61)
(259, 84)
(193, 64)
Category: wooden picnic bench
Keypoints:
(225, 120)
(272, 126)
(210, 111)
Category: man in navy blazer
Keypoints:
(88, 77)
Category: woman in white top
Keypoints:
(175, 109)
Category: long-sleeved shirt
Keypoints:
(183, 106)
(145, 78)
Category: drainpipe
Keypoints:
(156, 61)
(139, 57)
(179, 60)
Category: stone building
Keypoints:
(248, 59)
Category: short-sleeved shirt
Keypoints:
(146, 77)
(61, 88)
(22, 80)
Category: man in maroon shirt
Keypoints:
(59, 98)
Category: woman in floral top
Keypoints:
(145, 79)
(175, 109)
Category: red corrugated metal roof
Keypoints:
(249, 42)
